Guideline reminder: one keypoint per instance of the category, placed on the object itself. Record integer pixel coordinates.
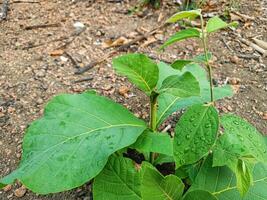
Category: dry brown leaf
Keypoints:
(7, 188)
(264, 116)
(235, 17)
(235, 88)
(149, 41)
(118, 42)
(160, 18)
(57, 52)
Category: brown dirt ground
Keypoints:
(30, 77)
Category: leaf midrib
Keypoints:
(33, 160)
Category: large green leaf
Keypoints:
(199, 195)
(221, 182)
(183, 15)
(165, 71)
(169, 103)
(119, 180)
(140, 70)
(240, 140)
(154, 142)
(185, 85)
(72, 142)
(195, 133)
(215, 23)
(157, 187)
(182, 35)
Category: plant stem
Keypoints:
(153, 118)
(205, 46)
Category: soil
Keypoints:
(30, 76)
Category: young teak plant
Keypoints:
(83, 137)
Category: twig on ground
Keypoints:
(4, 10)
(72, 60)
(261, 43)
(20, 1)
(41, 26)
(245, 56)
(251, 44)
(120, 48)
(84, 79)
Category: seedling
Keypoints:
(82, 137)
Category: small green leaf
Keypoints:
(163, 158)
(221, 182)
(154, 142)
(243, 177)
(183, 15)
(215, 23)
(180, 64)
(169, 103)
(157, 187)
(72, 142)
(140, 70)
(195, 133)
(199, 195)
(185, 85)
(119, 180)
(240, 140)
(181, 35)
(202, 58)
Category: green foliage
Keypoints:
(220, 181)
(156, 186)
(82, 137)
(181, 35)
(132, 66)
(195, 134)
(154, 142)
(118, 180)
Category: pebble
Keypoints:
(20, 192)
(234, 59)
(39, 101)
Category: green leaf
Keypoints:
(72, 142)
(163, 158)
(154, 142)
(221, 182)
(240, 140)
(183, 15)
(199, 195)
(166, 71)
(180, 64)
(185, 85)
(157, 187)
(195, 133)
(243, 177)
(182, 35)
(202, 58)
(215, 23)
(169, 103)
(118, 180)
(139, 69)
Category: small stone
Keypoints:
(7, 188)
(234, 81)
(20, 192)
(234, 59)
(123, 90)
(39, 101)
(40, 73)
